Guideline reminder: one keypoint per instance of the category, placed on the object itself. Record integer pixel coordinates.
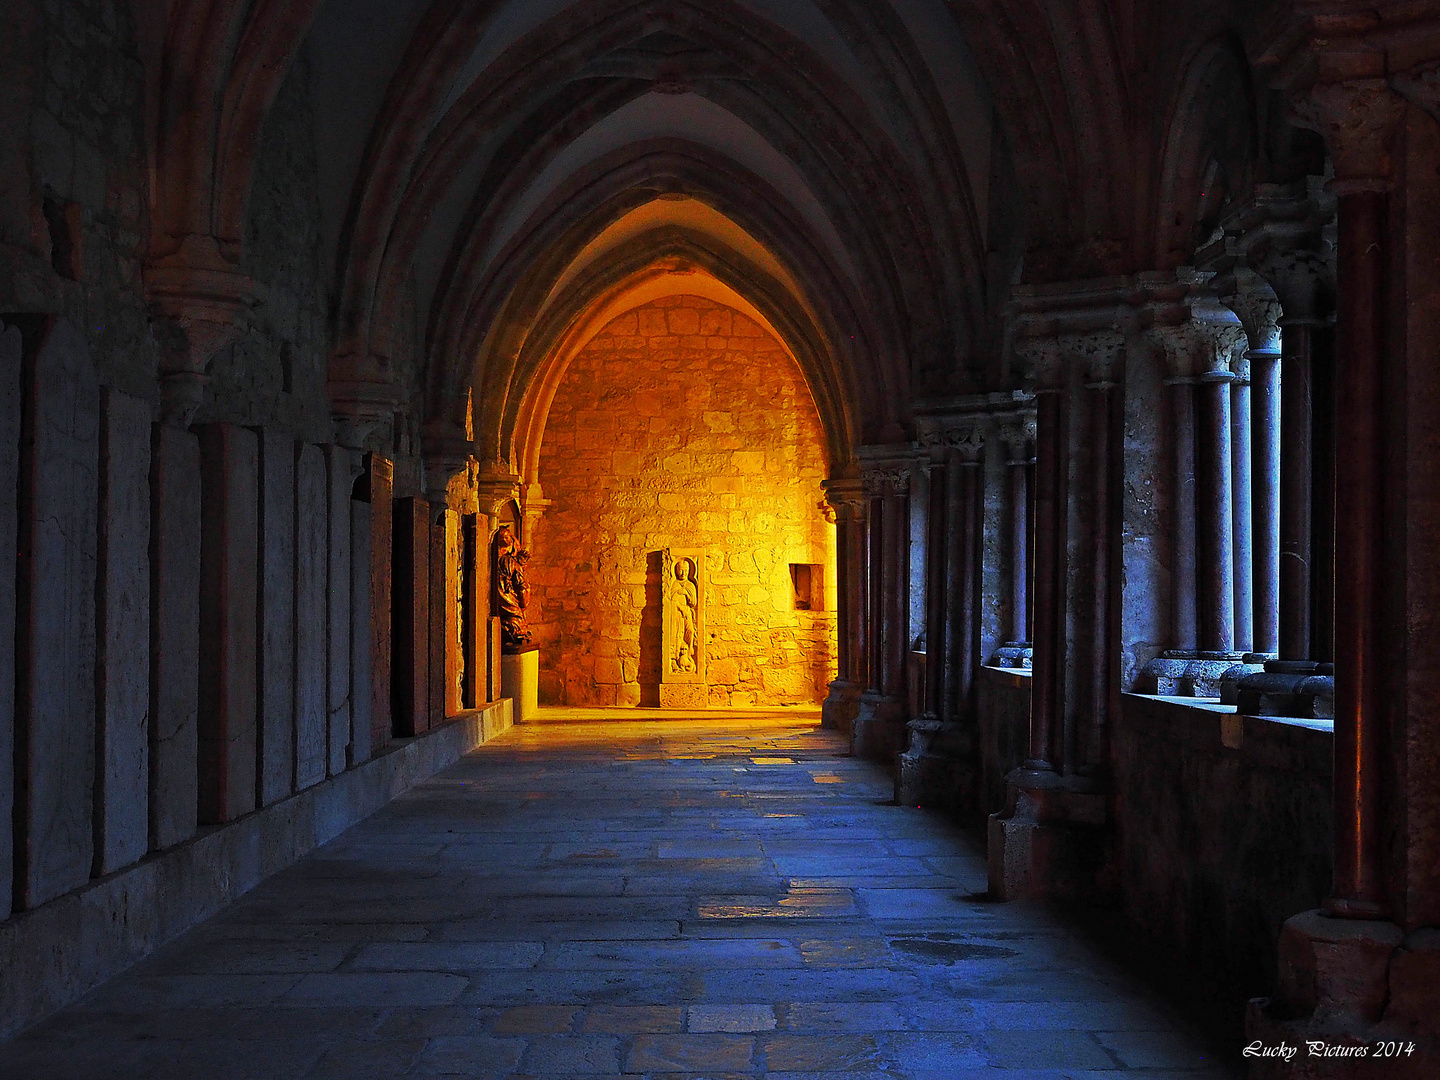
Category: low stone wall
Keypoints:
(1223, 830)
(56, 953)
(1003, 704)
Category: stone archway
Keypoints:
(684, 423)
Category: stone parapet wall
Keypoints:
(682, 424)
(1223, 830)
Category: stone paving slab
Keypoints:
(671, 900)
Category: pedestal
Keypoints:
(878, 731)
(1049, 843)
(520, 681)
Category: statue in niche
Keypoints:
(509, 591)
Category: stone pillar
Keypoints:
(276, 617)
(311, 609)
(174, 634)
(1049, 581)
(410, 671)
(1184, 606)
(229, 509)
(122, 766)
(11, 398)
(879, 727)
(340, 474)
(962, 623)
(380, 473)
(471, 613)
(937, 584)
(1106, 422)
(847, 500)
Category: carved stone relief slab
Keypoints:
(682, 632)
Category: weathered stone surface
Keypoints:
(122, 780)
(230, 501)
(410, 613)
(361, 697)
(311, 566)
(382, 544)
(11, 356)
(338, 466)
(707, 442)
(55, 714)
(174, 634)
(276, 616)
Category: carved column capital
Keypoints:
(1303, 282)
(846, 498)
(196, 298)
(887, 482)
(1356, 118)
(1198, 350)
(1098, 353)
(1018, 435)
(1258, 309)
(363, 395)
(447, 455)
(1421, 86)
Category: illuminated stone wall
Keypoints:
(682, 424)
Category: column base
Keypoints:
(1014, 654)
(938, 770)
(840, 706)
(1300, 688)
(1050, 842)
(878, 731)
(1188, 673)
(1347, 986)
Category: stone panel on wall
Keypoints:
(229, 516)
(311, 526)
(122, 829)
(11, 354)
(682, 424)
(338, 466)
(276, 728)
(55, 632)
(174, 634)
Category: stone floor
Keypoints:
(727, 897)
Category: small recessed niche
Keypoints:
(807, 586)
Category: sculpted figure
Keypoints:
(507, 576)
(684, 615)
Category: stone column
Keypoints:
(846, 498)
(962, 622)
(229, 568)
(1241, 497)
(1106, 405)
(1049, 584)
(937, 583)
(361, 688)
(1358, 119)
(1019, 440)
(1184, 613)
(879, 729)
(1259, 312)
(1214, 506)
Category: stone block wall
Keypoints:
(682, 424)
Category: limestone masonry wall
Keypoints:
(682, 424)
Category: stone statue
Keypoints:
(509, 591)
(684, 612)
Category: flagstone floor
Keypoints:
(589, 897)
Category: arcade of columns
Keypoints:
(1281, 481)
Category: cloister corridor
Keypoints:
(726, 895)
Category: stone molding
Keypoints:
(886, 482)
(845, 497)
